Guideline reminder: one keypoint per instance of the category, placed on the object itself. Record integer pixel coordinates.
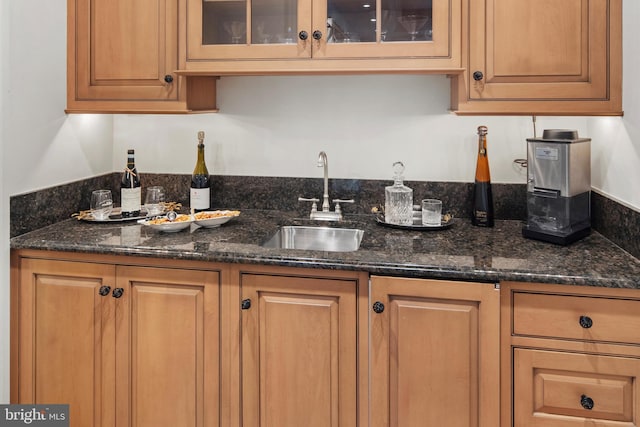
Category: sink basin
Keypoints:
(316, 238)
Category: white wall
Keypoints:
(272, 126)
(4, 216)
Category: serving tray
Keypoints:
(447, 222)
(115, 216)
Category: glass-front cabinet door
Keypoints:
(356, 29)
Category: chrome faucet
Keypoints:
(325, 214)
(323, 162)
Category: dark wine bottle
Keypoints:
(130, 193)
(200, 196)
(482, 214)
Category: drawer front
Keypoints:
(576, 317)
(556, 389)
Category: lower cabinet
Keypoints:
(299, 363)
(434, 353)
(122, 345)
(571, 356)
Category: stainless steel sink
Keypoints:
(316, 238)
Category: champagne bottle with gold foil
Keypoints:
(482, 214)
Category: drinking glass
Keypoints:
(431, 212)
(101, 204)
(153, 200)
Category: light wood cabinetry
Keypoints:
(541, 57)
(434, 353)
(574, 356)
(299, 346)
(122, 57)
(301, 39)
(122, 345)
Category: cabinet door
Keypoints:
(545, 56)
(244, 29)
(66, 338)
(167, 370)
(434, 353)
(298, 351)
(219, 31)
(122, 55)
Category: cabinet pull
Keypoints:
(317, 35)
(104, 290)
(168, 78)
(303, 35)
(117, 292)
(477, 76)
(378, 307)
(246, 304)
(586, 402)
(586, 322)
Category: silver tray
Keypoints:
(116, 217)
(447, 222)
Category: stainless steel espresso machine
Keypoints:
(558, 187)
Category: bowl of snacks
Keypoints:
(212, 219)
(168, 224)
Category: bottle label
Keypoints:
(200, 198)
(130, 199)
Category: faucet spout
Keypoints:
(322, 162)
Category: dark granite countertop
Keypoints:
(462, 252)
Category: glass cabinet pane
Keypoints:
(224, 22)
(406, 20)
(351, 21)
(272, 21)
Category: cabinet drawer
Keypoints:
(556, 389)
(576, 317)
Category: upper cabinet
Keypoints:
(301, 36)
(542, 57)
(123, 56)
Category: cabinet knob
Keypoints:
(303, 35)
(104, 290)
(168, 78)
(378, 307)
(586, 322)
(117, 292)
(317, 35)
(586, 402)
(477, 76)
(246, 304)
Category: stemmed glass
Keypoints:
(413, 24)
(236, 30)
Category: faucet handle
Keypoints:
(338, 201)
(314, 206)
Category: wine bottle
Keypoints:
(482, 214)
(130, 193)
(200, 197)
